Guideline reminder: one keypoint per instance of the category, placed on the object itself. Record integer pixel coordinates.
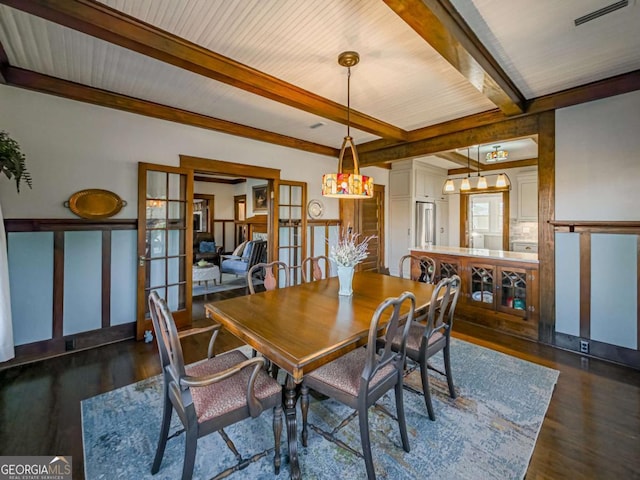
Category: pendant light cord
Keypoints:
(348, 101)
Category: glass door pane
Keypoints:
(292, 227)
(163, 228)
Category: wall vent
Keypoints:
(599, 13)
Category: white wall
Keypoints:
(598, 160)
(223, 204)
(71, 146)
(597, 172)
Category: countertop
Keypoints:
(480, 253)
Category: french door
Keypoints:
(165, 221)
(292, 227)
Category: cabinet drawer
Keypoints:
(525, 247)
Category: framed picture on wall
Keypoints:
(260, 198)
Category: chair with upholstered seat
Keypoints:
(312, 264)
(359, 378)
(274, 275)
(425, 340)
(209, 395)
(421, 268)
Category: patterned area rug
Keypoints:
(488, 432)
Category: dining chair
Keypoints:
(312, 264)
(209, 395)
(425, 340)
(359, 378)
(274, 274)
(421, 268)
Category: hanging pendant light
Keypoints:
(482, 182)
(501, 181)
(449, 186)
(466, 185)
(340, 184)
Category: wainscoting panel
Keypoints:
(73, 284)
(597, 265)
(568, 283)
(123, 276)
(614, 287)
(31, 283)
(82, 282)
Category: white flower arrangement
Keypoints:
(348, 252)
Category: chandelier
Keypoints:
(496, 155)
(341, 184)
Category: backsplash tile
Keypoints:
(523, 231)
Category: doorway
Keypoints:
(484, 219)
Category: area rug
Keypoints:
(488, 432)
(229, 282)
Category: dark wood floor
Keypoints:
(591, 431)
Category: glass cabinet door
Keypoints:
(446, 268)
(515, 292)
(482, 285)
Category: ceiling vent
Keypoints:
(599, 13)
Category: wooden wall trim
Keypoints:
(596, 226)
(585, 285)
(106, 279)
(600, 350)
(67, 224)
(58, 284)
(546, 234)
(230, 168)
(55, 347)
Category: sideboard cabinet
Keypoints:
(498, 293)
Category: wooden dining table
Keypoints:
(303, 327)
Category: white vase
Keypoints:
(345, 278)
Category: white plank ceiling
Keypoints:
(400, 80)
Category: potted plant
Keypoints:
(12, 161)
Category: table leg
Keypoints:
(290, 415)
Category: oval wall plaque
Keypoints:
(94, 203)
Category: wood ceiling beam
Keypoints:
(458, 159)
(440, 25)
(620, 84)
(527, 162)
(512, 128)
(107, 24)
(43, 83)
(609, 87)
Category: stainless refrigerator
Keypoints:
(425, 224)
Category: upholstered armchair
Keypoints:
(254, 252)
(205, 248)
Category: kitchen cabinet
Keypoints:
(499, 293)
(428, 186)
(527, 197)
(411, 181)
